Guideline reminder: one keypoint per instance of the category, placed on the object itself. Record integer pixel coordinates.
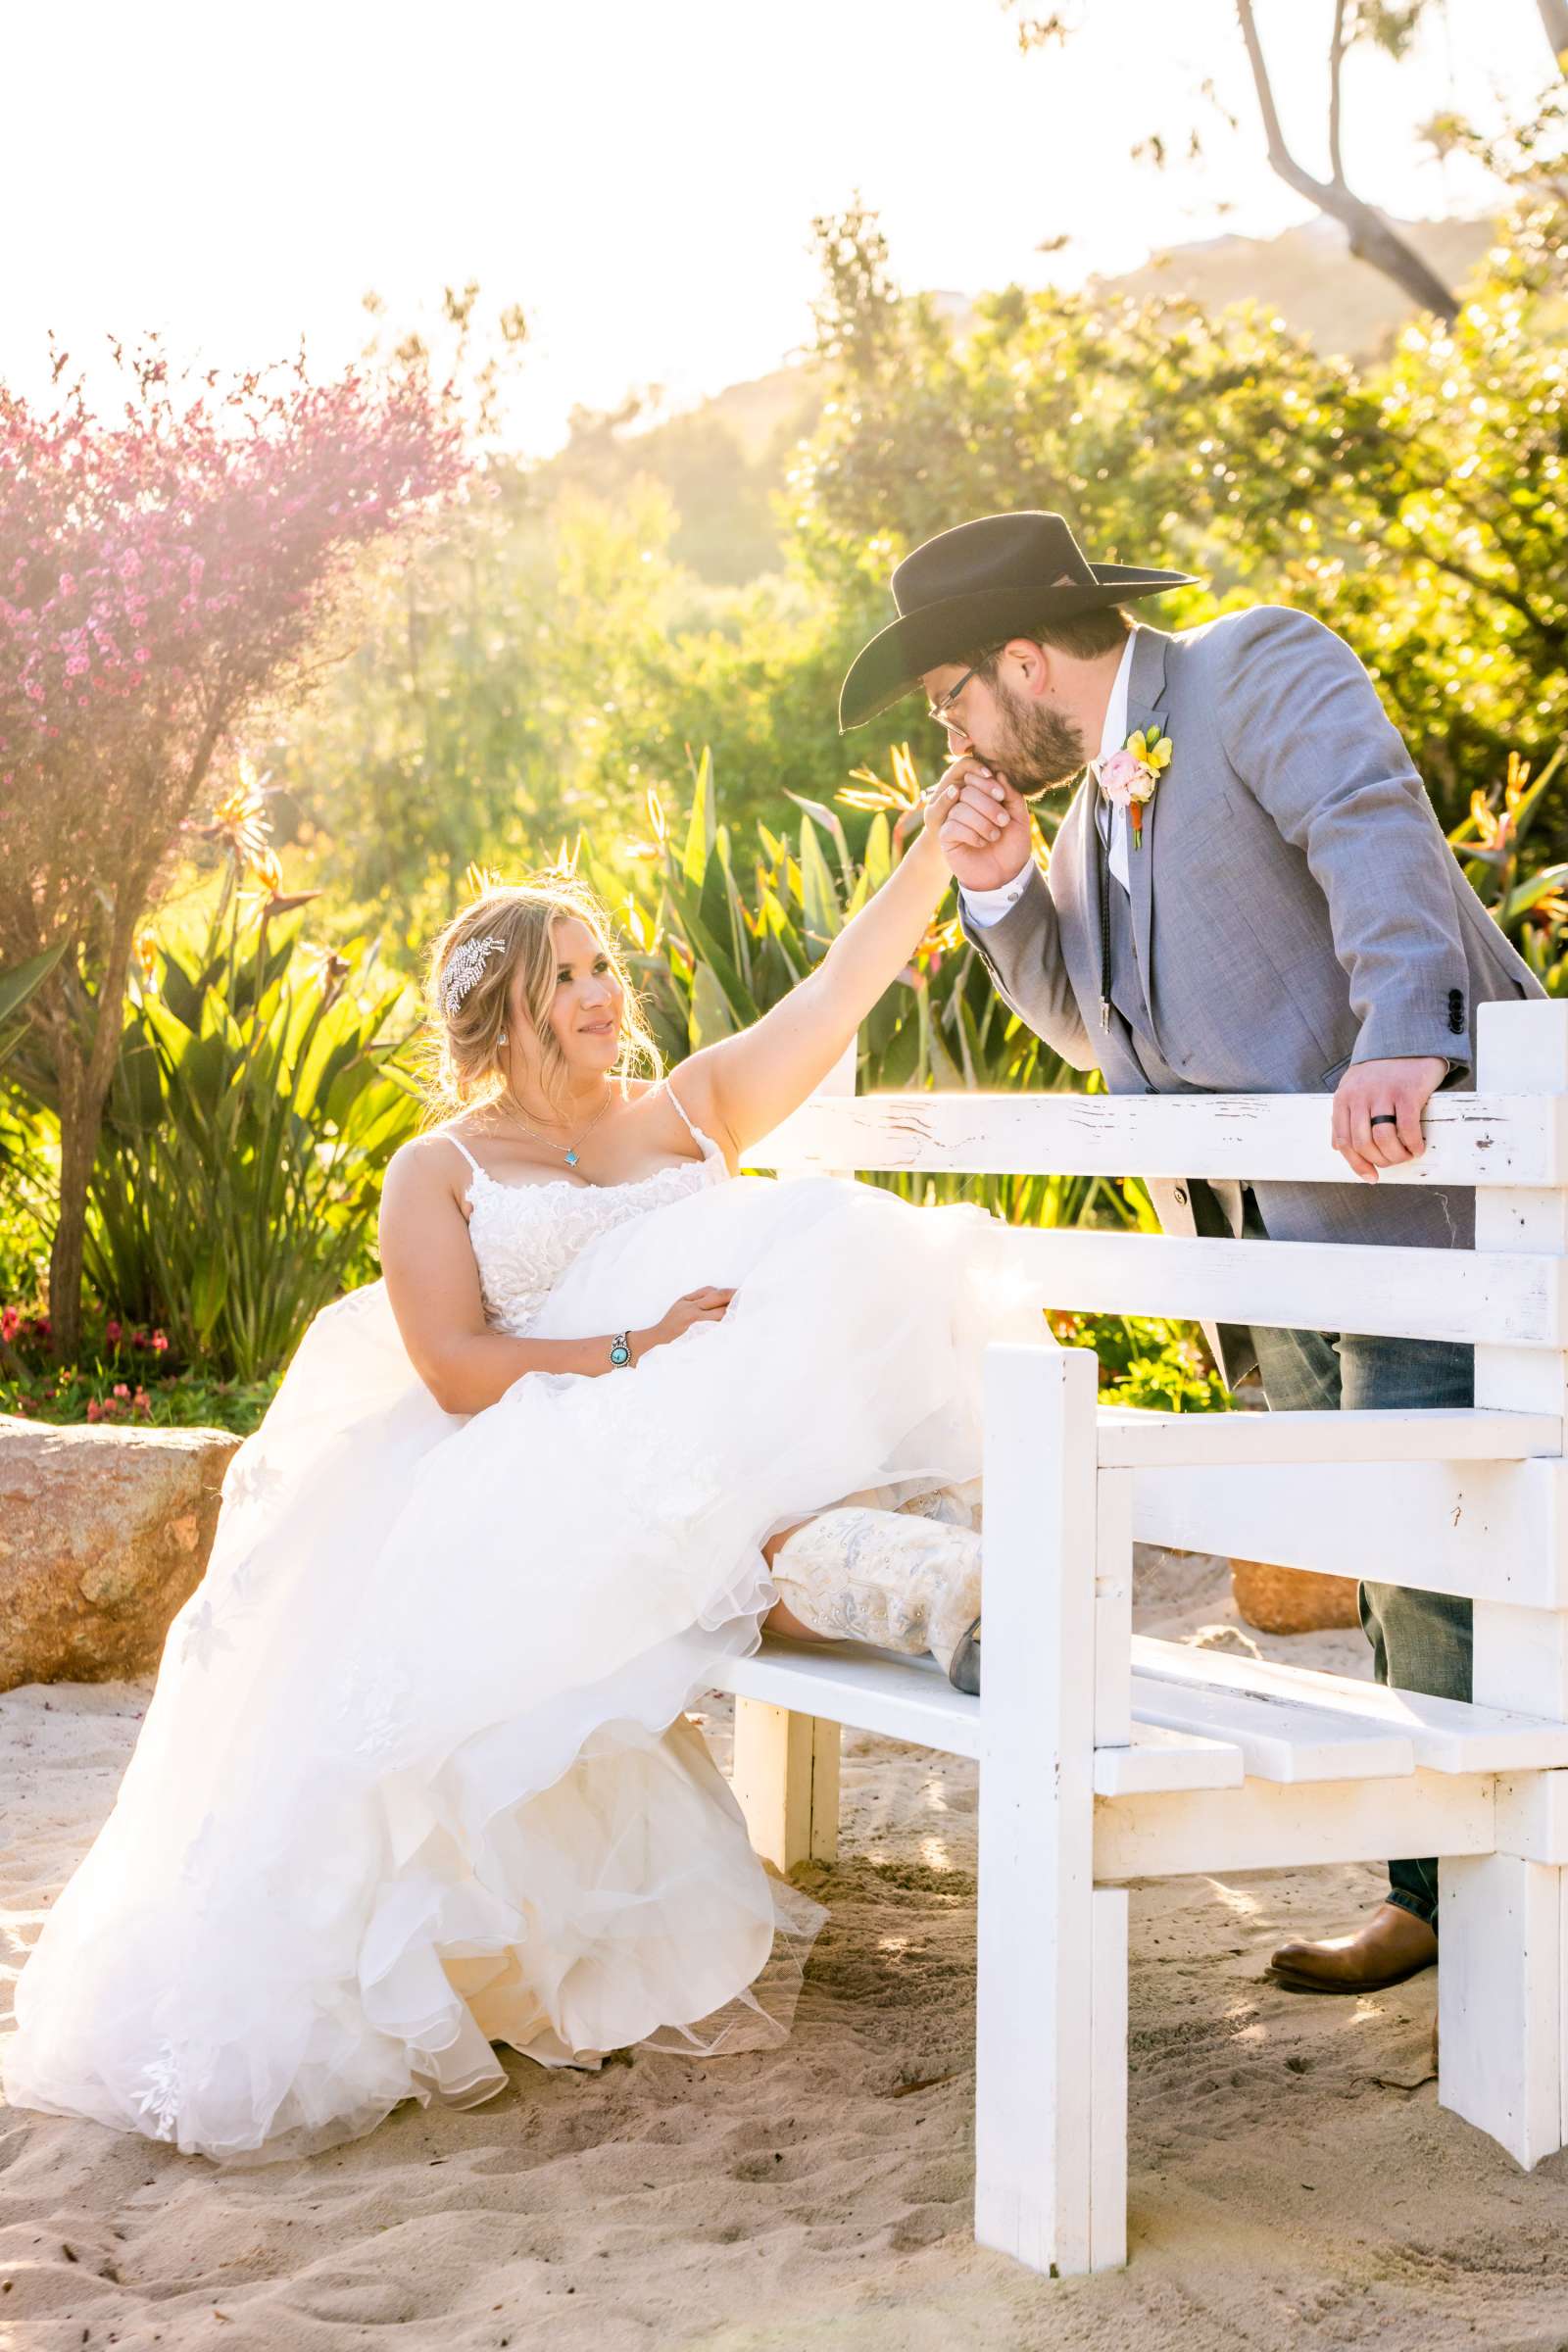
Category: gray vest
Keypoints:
(1127, 989)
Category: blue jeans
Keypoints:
(1420, 1641)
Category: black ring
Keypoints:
(1385, 1118)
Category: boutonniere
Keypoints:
(1129, 776)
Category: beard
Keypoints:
(1036, 746)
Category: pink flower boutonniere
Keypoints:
(1129, 776)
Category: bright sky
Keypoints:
(642, 178)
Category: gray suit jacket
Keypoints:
(1296, 909)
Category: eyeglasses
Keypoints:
(938, 710)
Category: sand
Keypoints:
(1292, 2181)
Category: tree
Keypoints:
(1388, 25)
(162, 574)
(1373, 238)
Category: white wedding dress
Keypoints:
(415, 1778)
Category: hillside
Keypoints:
(723, 460)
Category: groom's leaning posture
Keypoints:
(1250, 893)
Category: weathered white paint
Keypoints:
(1471, 1139)
(1518, 1301)
(1035, 2046)
(1476, 1527)
(902, 1699)
(1270, 1825)
(1500, 2001)
(1532, 1817)
(1279, 1740)
(1108, 2118)
(1145, 1441)
(1113, 1608)
(1154, 1758)
(1445, 1734)
(1104, 1759)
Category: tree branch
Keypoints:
(1336, 70)
(1372, 238)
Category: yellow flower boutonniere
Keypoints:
(1129, 776)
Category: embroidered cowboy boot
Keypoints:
(897, 1579)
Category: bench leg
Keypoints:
(1041, 2048)
(1501, 2000)
(1108, 2121)
(786, 1780)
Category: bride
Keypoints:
(415, 1778)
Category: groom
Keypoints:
(1248, 893)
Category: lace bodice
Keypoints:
(525, 1235)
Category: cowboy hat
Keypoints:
(981, 583)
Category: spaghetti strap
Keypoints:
(464, 1149)
(692, 1129)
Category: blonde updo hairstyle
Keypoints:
(465, 1066)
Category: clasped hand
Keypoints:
(982, 825)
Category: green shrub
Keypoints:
(1158, 1366)
(124, 1380)
(253, 1108)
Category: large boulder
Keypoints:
(104, 1533)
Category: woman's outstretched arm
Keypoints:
(740, 1088)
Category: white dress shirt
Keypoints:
(988, 906)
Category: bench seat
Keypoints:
(911, 1698)
(1176, 1684)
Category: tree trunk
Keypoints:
(1372, 238)
(84, 1083)
(1554, 17)
(78, 1143)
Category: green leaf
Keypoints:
(700, 830)
(208, 1289)
(819, 899)
(710, 1014)
(20, 982)
(832, 824)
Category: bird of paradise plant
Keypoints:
(715, 944)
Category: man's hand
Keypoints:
(1370, 1089)
(984, 825)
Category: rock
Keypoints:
(1227, 1638)
(1292, 1600)
(104, 1533)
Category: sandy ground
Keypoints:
(1294, 2183)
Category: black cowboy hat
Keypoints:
(981, 583)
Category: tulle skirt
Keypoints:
(416, 1779)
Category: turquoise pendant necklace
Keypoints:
(570, 1149)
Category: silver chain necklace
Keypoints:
(570, 1149)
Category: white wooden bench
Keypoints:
(1164, 1760)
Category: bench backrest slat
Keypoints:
(1461, 1295)
(1495, 1140)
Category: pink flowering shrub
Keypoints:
(163, 571)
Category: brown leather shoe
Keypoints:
(1392, 1945)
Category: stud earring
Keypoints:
(502, 1038)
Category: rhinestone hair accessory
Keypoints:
(466, 968)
